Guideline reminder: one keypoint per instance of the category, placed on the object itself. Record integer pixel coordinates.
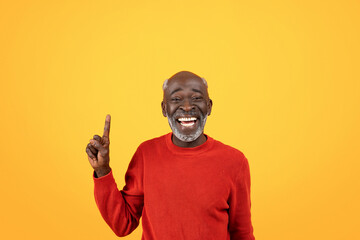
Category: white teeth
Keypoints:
(187, 124)
(187, 119)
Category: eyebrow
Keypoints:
(179, 89)
(176, 90)
(196, 90)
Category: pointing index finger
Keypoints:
(107, 126)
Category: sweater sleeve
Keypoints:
(240, 226)
(121, 210)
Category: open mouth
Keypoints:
(187, 122)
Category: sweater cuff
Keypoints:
(104, 179)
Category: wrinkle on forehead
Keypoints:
(183, 76)
(165, 84)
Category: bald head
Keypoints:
(183, 85)
(182, 76)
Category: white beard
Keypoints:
(190, 137)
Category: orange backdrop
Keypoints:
(283, 75)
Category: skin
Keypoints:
(98, 151)
(186, 95)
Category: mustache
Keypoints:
(180, 113)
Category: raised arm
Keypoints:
(121, 210)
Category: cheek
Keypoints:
(203, 108)
(171, 109)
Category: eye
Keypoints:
(175, 99)
(197, 98)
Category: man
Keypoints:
(185, 184)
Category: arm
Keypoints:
(121, 210)
(240, 226)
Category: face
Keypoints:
(186, 104)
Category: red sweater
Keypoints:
(181, 193)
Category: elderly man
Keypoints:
(184, 184)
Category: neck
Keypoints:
(197, 142)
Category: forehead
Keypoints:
(189, 84)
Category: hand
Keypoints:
(98, 151)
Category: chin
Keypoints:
(186, 137)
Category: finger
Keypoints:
(107, 126)
(97, 138)
(92, 149)
(90, 154)
(96, 145)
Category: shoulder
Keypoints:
(232, 155)
(148, 147)
(228, 150)
(153, 143)
(234, 160)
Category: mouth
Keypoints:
(187, 121)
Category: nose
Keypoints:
(187, 106)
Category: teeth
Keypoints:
(187, 124)
(187, 119)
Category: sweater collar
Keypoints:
(188, 151)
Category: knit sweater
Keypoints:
(180, 193)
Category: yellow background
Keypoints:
(283, 75)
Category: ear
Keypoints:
(209, 106)
(163, 107)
